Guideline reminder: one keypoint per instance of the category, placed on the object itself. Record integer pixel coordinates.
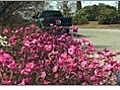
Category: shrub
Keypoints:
(107, 16)
(34, 58)
(80, 18)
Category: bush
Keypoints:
(80, 18)
(107, 16)
(34, 58)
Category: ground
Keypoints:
(103, 38)
(94, 24)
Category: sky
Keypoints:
(112, 3)
(86, 3)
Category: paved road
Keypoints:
(103, 38)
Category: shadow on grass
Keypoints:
(82, 36)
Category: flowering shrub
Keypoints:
(34, 58)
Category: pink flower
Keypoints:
(29, 67)
(5, 31)
(34, 41)
(43, 75)
(64, 55)
(12, 41)
(101, 83)
(56, 75)
(11, 65)
(93, 78)
(32, 26)
(6, 82)
(55, 68)
(25, 81)
(26, 43)
(83, 63)
(16, 31)
(60, 61)
(84, 83)
(91, 66)
(71, 50)
(108, 67)
(74, 28)
(46, 82)
(48, 47)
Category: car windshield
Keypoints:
(51, 14)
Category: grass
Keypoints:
(94, 24)
(103, 38)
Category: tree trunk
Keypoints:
(119, 7)
(78, 5)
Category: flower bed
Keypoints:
(35, 58)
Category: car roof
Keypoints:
(51, 10)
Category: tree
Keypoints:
(119, 7)
(78, 5)
(66, 7)
(8, 9)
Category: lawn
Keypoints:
(103, 38)
(94, 24)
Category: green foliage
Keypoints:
(107, 16)
(80, 18)
(91, 12)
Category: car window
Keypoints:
(51, 14)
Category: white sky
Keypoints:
(86, 3)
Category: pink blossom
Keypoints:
(43, 74)
(48, 47)
(108, 67)
(12, 41)
(29, 67)
(26, 43)
(64, 55)
(71, 50)
(25, 81)
(16, 31)
(91, 66)
(34, 41)
(56, 75)
(55, 68)
(84, 83)
(6, 82)
(46, 82)
(101, 83)
(74, 28)
(11, 65)
(83, 63)
(60, 61)
(93, 78)
(32, 26)
(5, 31)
